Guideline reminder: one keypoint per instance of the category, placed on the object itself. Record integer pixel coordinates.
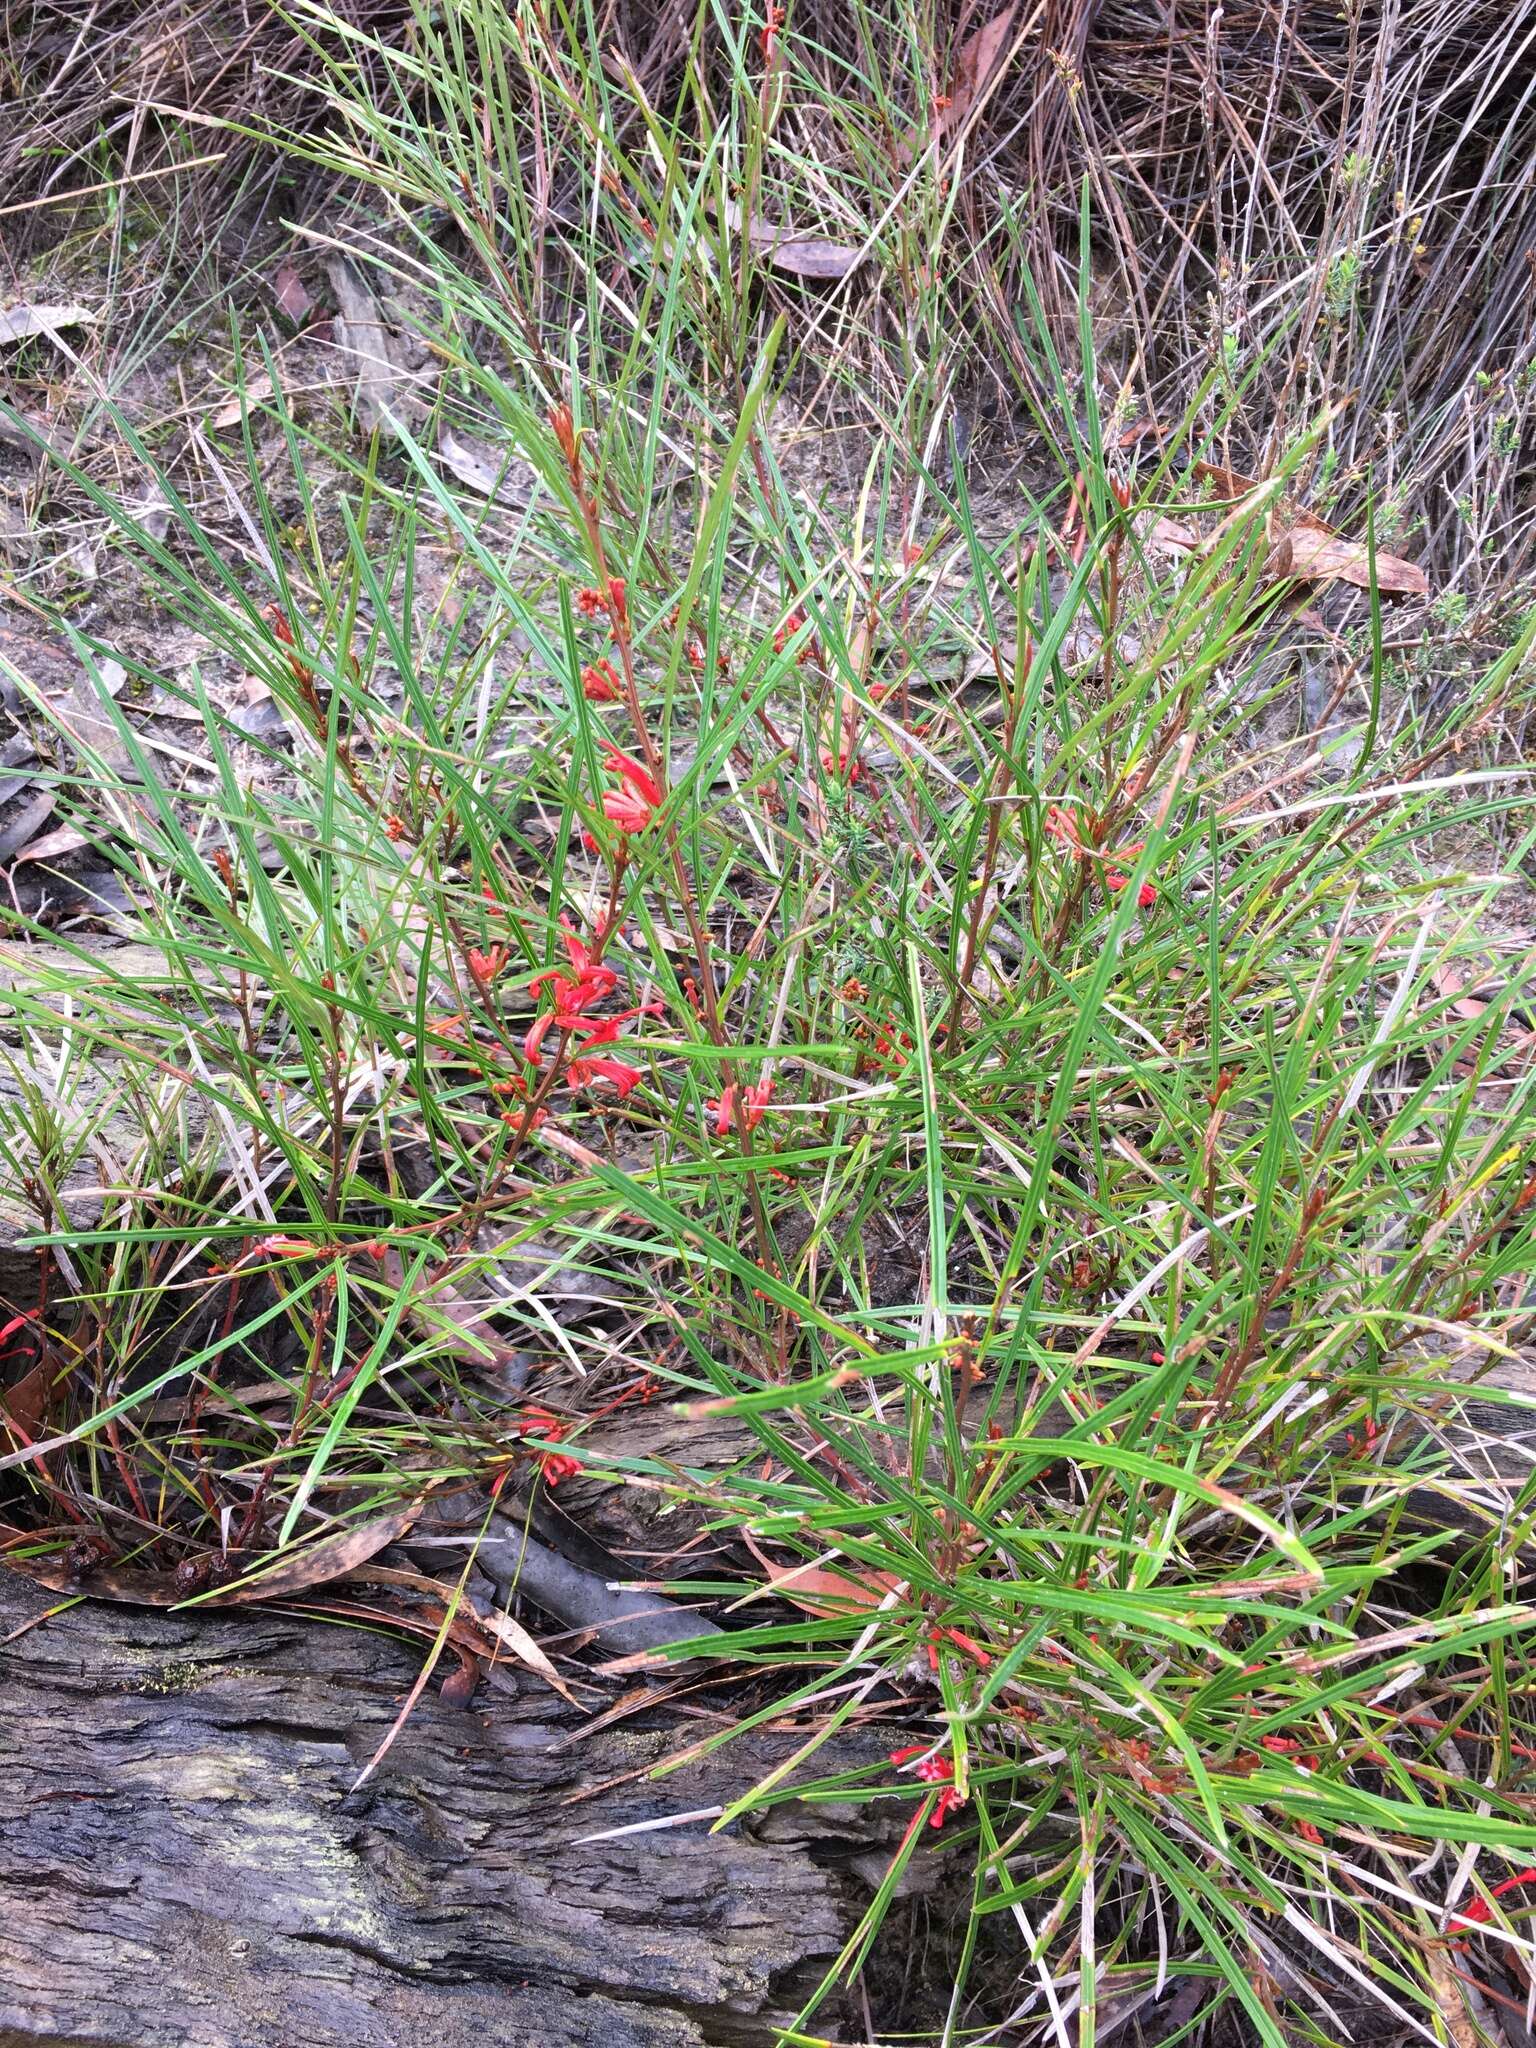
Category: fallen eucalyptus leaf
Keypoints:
(253, 393)
(21, 323)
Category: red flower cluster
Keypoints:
(847, 766)
(554, 1465)
(587, 982)
(754, 1100)
(1062, 825)
(934, 1770)
(938, 1637)
(772, 23)
(600, 683)
(1478, 1912)
(1146, 895)
(1361, 1446)
(515, 1087)
(486, 964)
(577, 990)
(637, 799)
(892, 1045)
(588, 1067)
(787, 632)
(592, 603)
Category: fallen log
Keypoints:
(184, 1862)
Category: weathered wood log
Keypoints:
(184, 1862)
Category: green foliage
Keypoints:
(972, 844)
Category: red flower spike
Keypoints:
(944, 1806)
(394, 828)
(847, 765)
(754, 1101)
(1360, 1446)
(757, 1101)
(618, 601)
(626, 811)
(606, 1030)
(588, 982)
(934, 1770)
(590, 603)
(554, 1465)
(1062, 825)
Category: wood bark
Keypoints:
(184, 1862)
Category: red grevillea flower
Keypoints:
(614, 600)
(1146, 895)
(600, 683)
(1062, 825)
(565, 434)
(632, 806)
(773, 21)
(606, 1030)
(581, 1073)
(588, 982)
(754, 1102)
(485, 965)
(1478, 1912)
(934, 1770)
(847, 765)
(787, 632)
(554, 1465)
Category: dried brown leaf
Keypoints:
(63, 839)
(288, 289)
(318, 1563)
(977, 67)
(253, 393)
(1303, 546)
(22, 323)
(796, 254)
(817, 1591)
(803, 255)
